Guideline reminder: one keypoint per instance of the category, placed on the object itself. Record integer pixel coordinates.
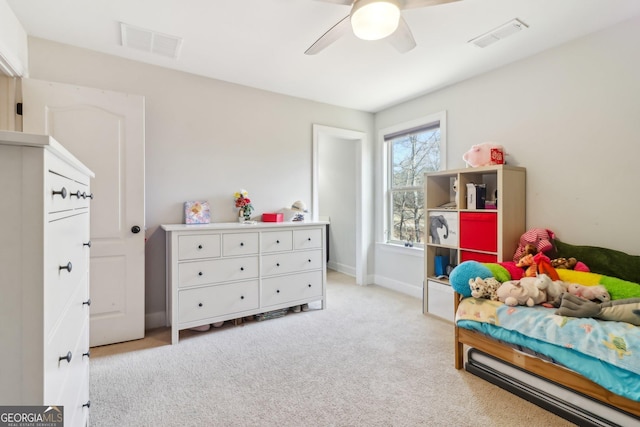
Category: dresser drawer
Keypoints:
(291, 262)
(217, 270)
(66, 263)
(220, 300)
(71, 336)
(67, 189)
(291, 288)
(277, 241)
(198, 247)
(239, 244)
(307, 239)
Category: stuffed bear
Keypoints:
(566, 263)
(591, 293)
(540, 238)
(516, 292)
(485, 154)
(484, 288)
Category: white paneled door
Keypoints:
(105, 130)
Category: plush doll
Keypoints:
(622, 310)
(513, 293)
(484, 288)
(540, 238)
(591, 293)
(485, 154)
(527, 262)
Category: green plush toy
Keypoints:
(624, 310)
(602, 260)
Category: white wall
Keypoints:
(337, 199)
(571, 116)
(205, 139)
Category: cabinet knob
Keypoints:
(88, 244)
(135, 229)
(200, 304)
(200, 273)
(90, 196)
(67, 267)
(67, 357)
(62, 193)
(241, 296)
(309, 260)
(278, 241)
(309, 238)
(277, 264)
(87, 302)
(241, 243)
(87, 405)
(87, 354)
(78, 194)
(241, 268)
(277, 291)
(309, 285)
(199, 246)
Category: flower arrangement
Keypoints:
(244, 203)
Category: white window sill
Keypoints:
(401, 249)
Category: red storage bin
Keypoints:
(477, 256)
(479, 230)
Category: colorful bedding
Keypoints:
(606, 352)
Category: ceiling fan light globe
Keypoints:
(375, 19)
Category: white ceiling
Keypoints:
(261, 43)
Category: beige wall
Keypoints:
(571, 116)
(205, 139)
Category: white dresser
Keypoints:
(224, 271)
(44, 276)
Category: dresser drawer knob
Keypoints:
(278, 241)
(90, 196)
(87, 302)
(87, 354)
(200, 273)
(200, 304)
(88, 244)
(87, 405)
(62, 193)
(277, 291)
(241, 268)
(277, 264)
(241, 296)
(199, 246)
(309, 285)
(135, 229)
(241, 243)
(309, 238)
(67, 267)
(78, 194)
(67, 358)
(309, 260)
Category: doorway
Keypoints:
(337, 195)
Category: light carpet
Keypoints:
(371, 358)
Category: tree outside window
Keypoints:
(411, 153)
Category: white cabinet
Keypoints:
(44, 273)
(218, 272)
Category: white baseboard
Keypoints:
(342, 268)
(155, 320)
(405, 288)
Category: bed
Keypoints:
(587, 357)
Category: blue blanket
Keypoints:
(606, 352)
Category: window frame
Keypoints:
(439, 118)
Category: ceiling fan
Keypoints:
(374, 20)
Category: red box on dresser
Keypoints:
(272, 217)
(479, 231)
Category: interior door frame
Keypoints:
(359, 138)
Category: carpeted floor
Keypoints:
(371, 358)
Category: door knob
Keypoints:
(135, 229)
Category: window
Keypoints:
(413, 149)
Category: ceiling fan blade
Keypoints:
(402, 39)
(412, 4)
(341, 28)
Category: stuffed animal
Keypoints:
(622, 310)
(540, 238)
(513, 293)
(591, 293)
(566, 263)
(484, 288)
(485, 154)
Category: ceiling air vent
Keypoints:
(503, 31)
(150, 41)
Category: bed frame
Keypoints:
(549, 371)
